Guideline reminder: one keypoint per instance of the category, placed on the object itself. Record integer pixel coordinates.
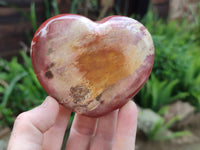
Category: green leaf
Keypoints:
(171, 122)
(67, 132)
(47, 7)
(2, 89)
(177, 135)
(33, 17)
(163, 110)
(73, 7)
(26, 59)
(55, 7)
(156, 128)
(9, 89)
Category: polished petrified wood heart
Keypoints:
(92, 67)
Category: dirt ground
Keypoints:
(186, 143)
(166, 146)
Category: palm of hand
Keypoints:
(40, 129)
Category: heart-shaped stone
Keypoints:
(91, 67)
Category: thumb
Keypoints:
(29, 126)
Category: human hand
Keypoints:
(43, 128)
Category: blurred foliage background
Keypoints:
(175, 75)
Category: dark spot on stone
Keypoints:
(98, 97)
(49, 51)
(79, 92)
(102, 102)
(49, 74)
(50, 66)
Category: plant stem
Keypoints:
(67, 132)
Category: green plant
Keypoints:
(156, 93)
(21, 90)
(73, 9)
(196, 23)
(51, 8)
(160, 130)
(55, 7)
(33, 18)
(10, 88)
(155, 127)
(67, 131)
(176, 60)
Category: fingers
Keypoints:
(103, 139)
(126, 127)
(54, 136)
(29, 126)
(116, 130)
(81, 133)
(84, 137)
